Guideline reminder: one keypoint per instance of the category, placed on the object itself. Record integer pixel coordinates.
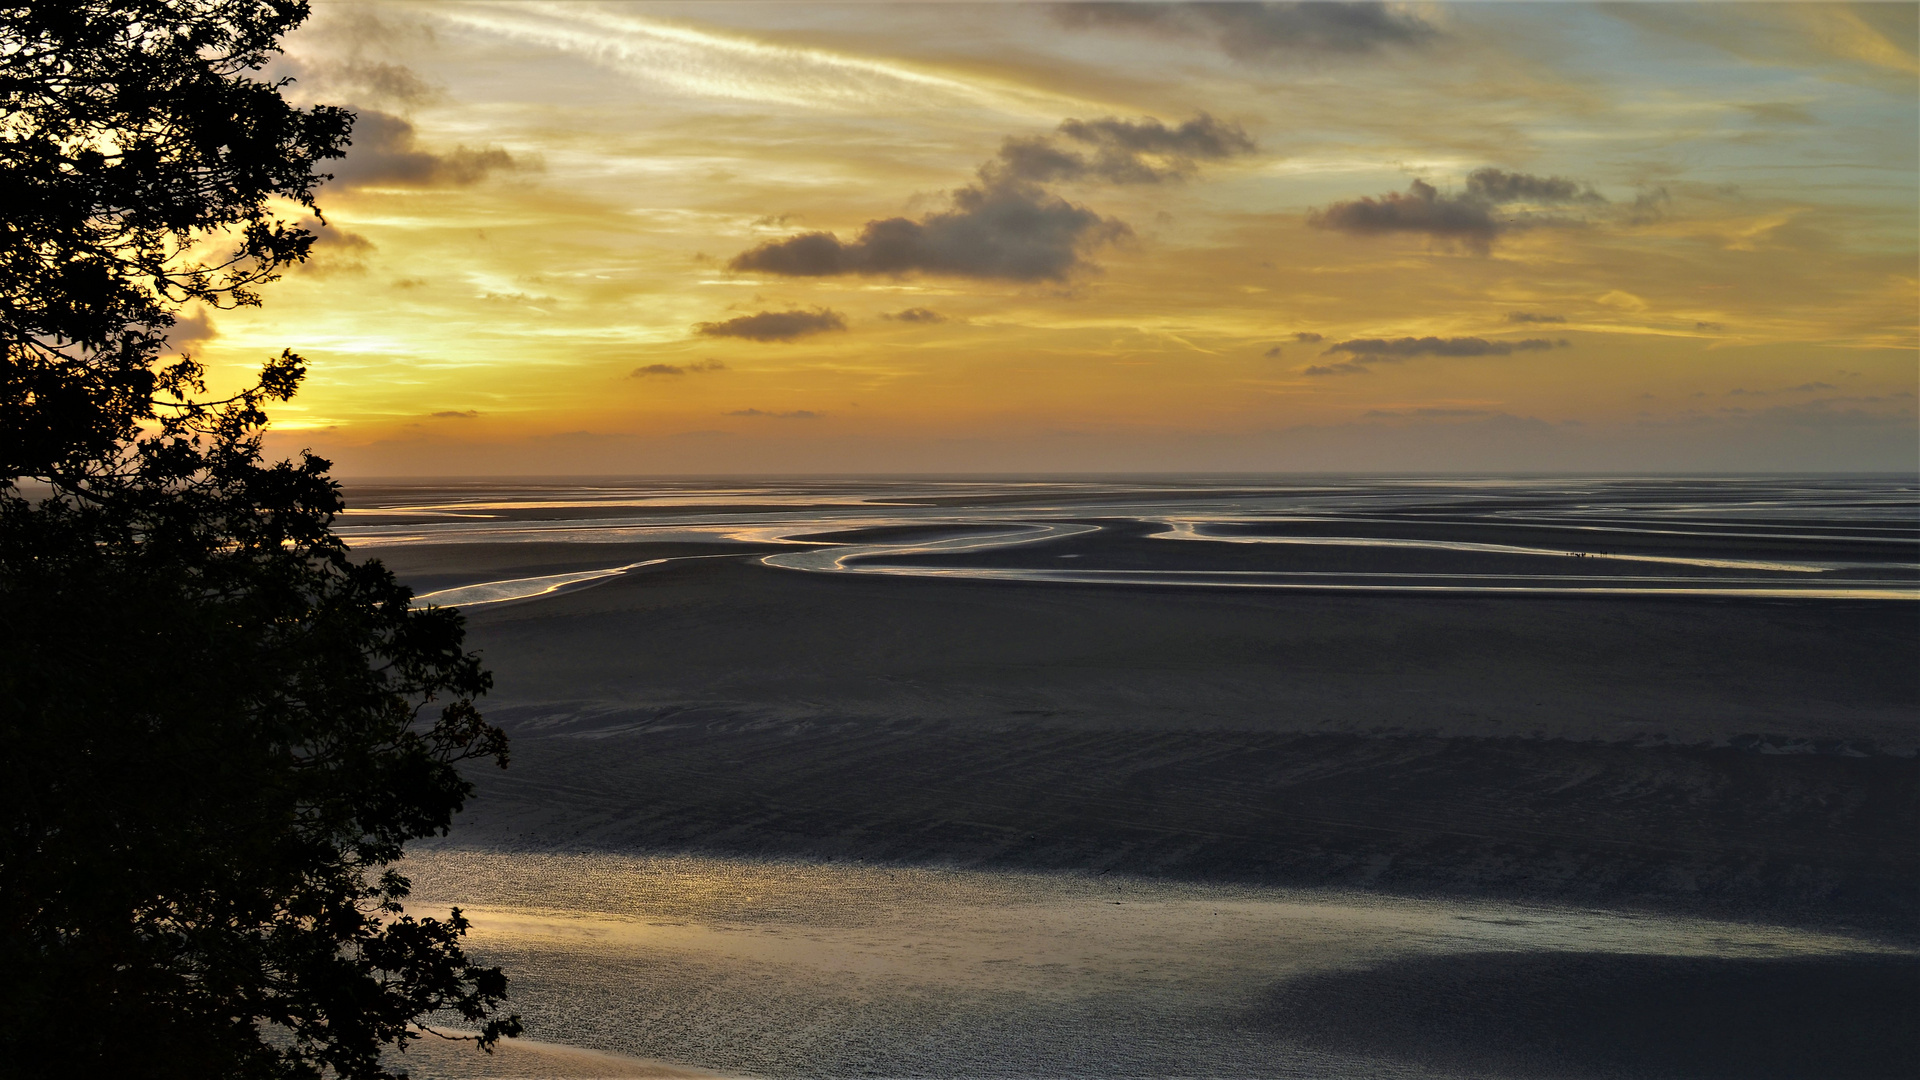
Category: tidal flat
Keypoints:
(1200, 777)
(788, 969)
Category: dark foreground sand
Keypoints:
(1727, 757)
(1736, 757)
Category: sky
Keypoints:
(598, 238)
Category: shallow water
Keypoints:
(1847, 538)
(787, 969)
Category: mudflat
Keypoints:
(1732, 756)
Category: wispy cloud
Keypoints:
(714, 64)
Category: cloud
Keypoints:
(385, 153)
(1402, 348)
(1532, 317)
(1143, 151)
(1308, 337)
(1473, 217)
(1009, 230)
(1006, 225)
(1778, 112)
(1709, 326)
(1807, 387)
(1273, 353)
(190, 330)
(675, 370)
(1344, 367)
(1499, 186)
(455, 414)
(335, 250)
(1429, 413)
(797, 414)
(775, 325)
(1422, 209)
(1648, 207)
(354, 80)
(1250, 32)
(917, 315)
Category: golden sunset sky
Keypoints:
(719, 237)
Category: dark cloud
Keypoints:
(1010, 230)
(1532, 317)
(1421, 209)
(335, 250)
(1402, 348)
(1430, 413)
(1343, 367)
(1711, 327)
(1273, 353)
(775, 325)
(1117, 151)
(1259, 31)
(334, 237)
(917, 315)
(797, 414)
(366, 81)
(1499, 186)
(1307, 337)
(1473, 217)
(1006, 225)
(675, 370)
(385, 153)
(190, 330)
(1649, 207)
(456, 414)
(1807, 387)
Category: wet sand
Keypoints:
(808, 970)
(1748, 758)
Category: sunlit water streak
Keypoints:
(493, 592)
(786, 969)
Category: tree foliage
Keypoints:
(217, 729)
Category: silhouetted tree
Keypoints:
(217, 729)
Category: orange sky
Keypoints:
(613, 238)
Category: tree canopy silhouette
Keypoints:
(217, 729)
